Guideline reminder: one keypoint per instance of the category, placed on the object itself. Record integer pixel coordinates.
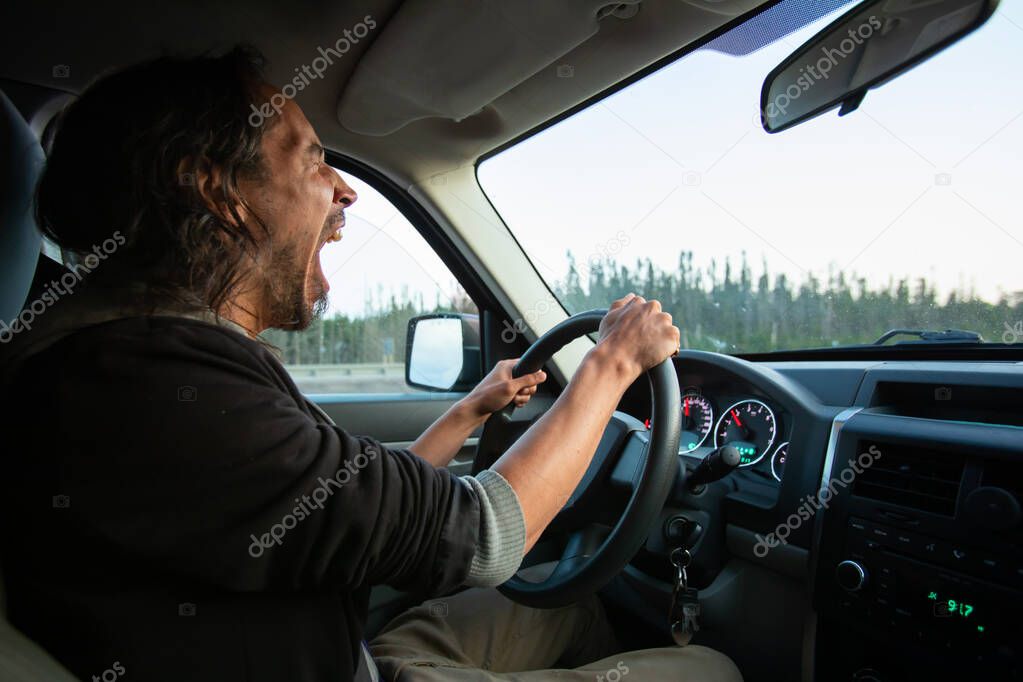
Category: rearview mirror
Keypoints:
(866, 47)
(442, 352)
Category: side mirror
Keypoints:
(442, 352)
(865, 48)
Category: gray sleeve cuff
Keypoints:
(502, 537)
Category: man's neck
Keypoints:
(239, 310)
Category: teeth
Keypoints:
(334, 236)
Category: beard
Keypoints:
(288, 306)
(295, 297)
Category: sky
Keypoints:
(922, 180)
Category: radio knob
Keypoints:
(851, 576)
(993, 508)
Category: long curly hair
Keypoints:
(126, 157)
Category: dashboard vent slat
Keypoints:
(918, 478)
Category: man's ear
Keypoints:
(207, 179)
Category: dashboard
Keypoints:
(909, 561)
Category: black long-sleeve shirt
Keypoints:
(172, 503)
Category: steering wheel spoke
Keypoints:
(581, 545)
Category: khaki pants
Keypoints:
(479, 635)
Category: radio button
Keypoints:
(960, 555)
(990, 567)
(901, 622)
(933, 550)
(907, 542)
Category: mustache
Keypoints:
(334, 218)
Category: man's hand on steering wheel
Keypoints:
(498, 389)
(639, 332)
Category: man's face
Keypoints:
(301, 200)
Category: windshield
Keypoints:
(903, 214)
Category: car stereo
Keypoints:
(919, 562)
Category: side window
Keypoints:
(382, 274)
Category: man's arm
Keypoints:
(441, 442)
(546, 464)
(445, 437)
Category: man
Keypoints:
(231, 532)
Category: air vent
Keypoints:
(1007, 475)
(918, 478)
(1004, 474)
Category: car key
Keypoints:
(685, 602)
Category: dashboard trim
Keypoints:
(829, 462)
(789, 560)
(810, 669)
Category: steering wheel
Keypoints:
(590, 561)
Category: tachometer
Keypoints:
(778, 461)
(697, 421)
(750, 426)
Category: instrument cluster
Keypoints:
(749, 424)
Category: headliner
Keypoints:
(91, 38)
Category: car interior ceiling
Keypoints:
(518, 92)
(432, 90)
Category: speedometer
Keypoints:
(748, 425)
(697, 421)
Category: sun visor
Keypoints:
(451, 58)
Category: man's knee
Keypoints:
(678, 664)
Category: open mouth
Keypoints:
(334, 236)
(338, 224)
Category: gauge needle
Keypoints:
(735, 416)
(685, 407)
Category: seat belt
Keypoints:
(367, 670)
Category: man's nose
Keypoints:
(343, 194)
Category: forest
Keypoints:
(722, 307)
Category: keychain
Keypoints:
(685, 602)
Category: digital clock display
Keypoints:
(953, 607)
(950, 607)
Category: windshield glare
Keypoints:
(903, 214)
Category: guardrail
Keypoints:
(347, 370)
